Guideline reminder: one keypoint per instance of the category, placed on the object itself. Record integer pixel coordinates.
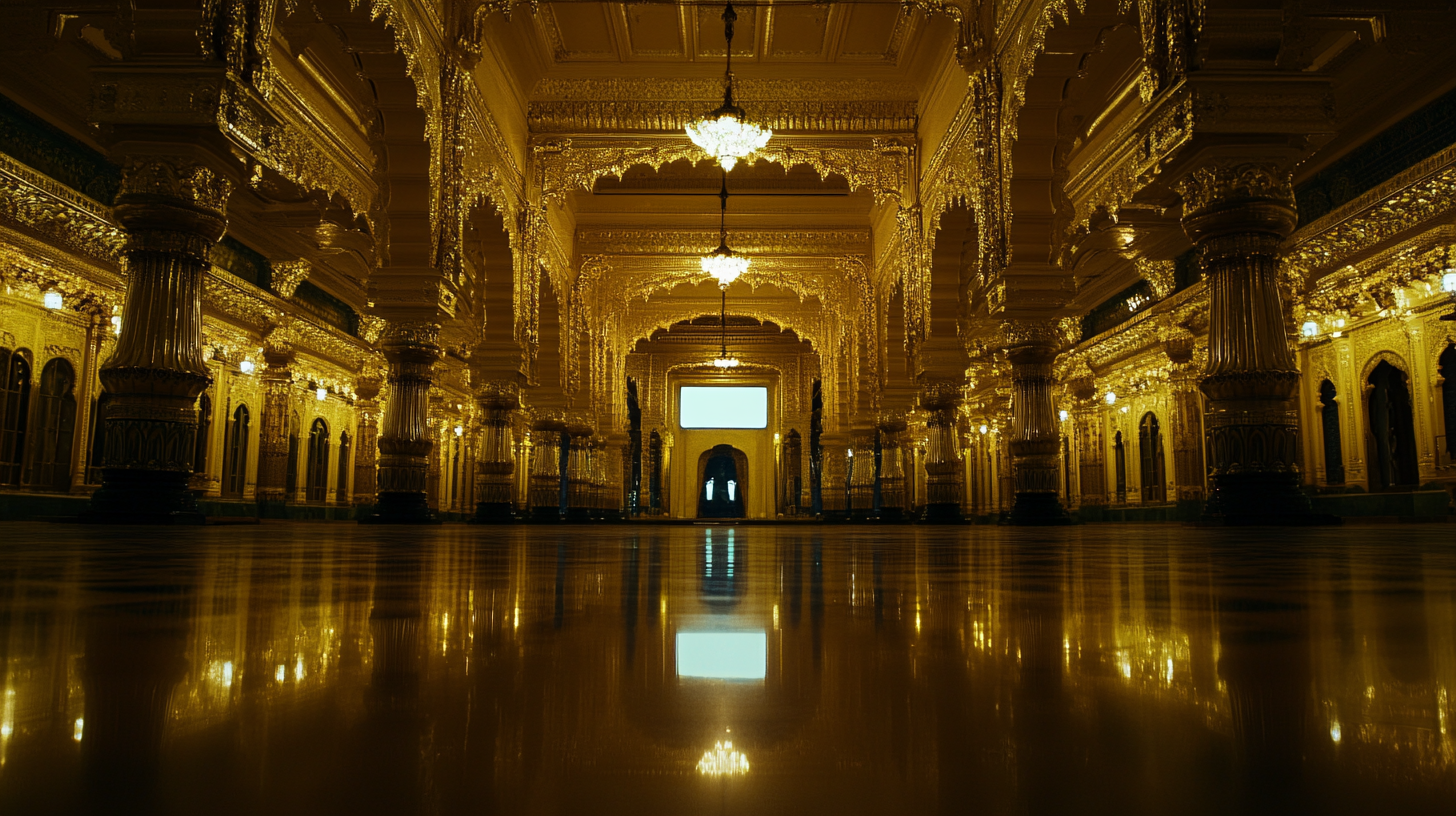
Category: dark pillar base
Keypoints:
(545, 515)
(143, 497)
(941, 514)
(493, 513)
(1037, 509)
(578, 515)
(893, 515)
(401, 508)
(1260, 499)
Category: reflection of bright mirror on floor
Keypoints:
(722, 655)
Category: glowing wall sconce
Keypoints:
(322, 394)
(1063, 415)
(53, 300)
(1111, 398)
(246, 366)
(1309, 329)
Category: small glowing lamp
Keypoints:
(246, 366)
(459, 431)
(1309, 329)
(725, 362)
(984, 429)
(53, 300)
(322, 393)
(1448, 281)
(1111, 398)
(1063, 415)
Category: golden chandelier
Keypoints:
(723, 263)
(726, 134)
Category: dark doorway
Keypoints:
(722, 483)
(318, 461)
(14, 413)
(55, 427)
(1392, 431)
(1447, 442)
(1151, 461)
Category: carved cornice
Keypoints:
(57, 213)
(287, 275)
(701, 241)
(1218, 184)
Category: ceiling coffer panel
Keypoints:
(870, 32)
(798, 32)
(655, 31)
(583, 31)
(710, 32)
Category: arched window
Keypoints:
(14, 413)
(1392, 430)
(318, 461)
(342, 489)
(204, 434)
(1119, 458)
(1448, 402)
(55, 429)
(235, 456)
(1150, 459)
(98, 438)
(1330, 428)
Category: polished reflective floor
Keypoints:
(337, 669)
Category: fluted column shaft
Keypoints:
(174, 211)
(862, 475)
(793, 457)
(277, 382)
(366, 446)
(578, 473)
(495, 462)
(545, 493)
(892, 473)
(833, 487)
(1034, 437)
(1237, 215)
(943, 466)
(411, 350)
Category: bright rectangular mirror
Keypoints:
(723, 406)
(722, 655)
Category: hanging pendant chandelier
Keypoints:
(723, 263)
(723, 360)
(726, 134)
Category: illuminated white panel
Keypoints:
(722, 655)
(719, 406)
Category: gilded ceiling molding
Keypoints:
(54, 212)
(673, 115)
(702, 241)
(882, 165)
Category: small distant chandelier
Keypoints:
(723, 761)
(724, 264)
(723, 360)
(726, 134)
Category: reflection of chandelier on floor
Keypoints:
(726, 134)
(723, 761)
(723, 263)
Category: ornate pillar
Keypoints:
(174, 211)
(366, 444)
(85, 395)
(411, 350)
(273, 448)
(793, 472)
(655, 503)
(862, 475)
(1237, 215)
(495, 463)
(545, 494)
(1186, 416)
(616, 463)
(892, 470)
(943, 466)
(833, 489)
(578, 472)
(1035, 438)
(1091, 461)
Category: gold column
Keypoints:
(277, 380)
(85, 394)
(1186, 417)
(1237, 215)
(943, 465)
(578, 472)
(1091, 460)
(366, 446)
(833, 485)
(892, 470)
(862, 475)
(545, 491)
(793, 470)
(495, 465)
(1035, 439)
(174, 211)
(411, 350)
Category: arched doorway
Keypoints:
(1447, 364)
(1392, 434)
(1119, 458)
(14, 413)
(1330, 428)
(722, 482)
(1152, 464)
(55, 427)
(318, 461)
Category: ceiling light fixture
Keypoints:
(723, 360)
(726, 134)
(724, 264)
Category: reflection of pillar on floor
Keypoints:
(405, 443)
(1237, 215)
(943, 465)
(366, 447)
(495, 463)
(892, 470)
(388, 742)
(174, 212)
(545, 499)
